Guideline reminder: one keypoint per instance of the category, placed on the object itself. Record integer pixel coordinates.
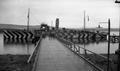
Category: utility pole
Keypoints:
(84, 21)
(84, 29)
(108, 45)
(118, 50)
(108, 53)
(28, 16)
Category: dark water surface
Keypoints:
(102, 47)
(28, 48)
(15, 48)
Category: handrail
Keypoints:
(34, 56)
(95, 53)
(85, 49)
(66, 42)
(29, 59)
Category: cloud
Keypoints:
(70, 12)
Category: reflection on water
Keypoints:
(101, 47)
(18, 48)
(114, 32)
(8, 48)
(15, 48)
(1, 44)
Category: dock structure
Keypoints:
(114, 39)
(19, 36)
(59, 54)
(54, 56)
(56, 50)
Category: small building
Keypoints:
(57, 23)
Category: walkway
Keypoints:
(54, 56)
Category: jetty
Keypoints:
(58, 50)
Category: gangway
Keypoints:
(54, 56)
(51, 54)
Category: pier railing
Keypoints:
(32, 60)
(97, 61)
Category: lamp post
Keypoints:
(117, 1)
(118, 50)
(108, 53)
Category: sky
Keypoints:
(69, 12)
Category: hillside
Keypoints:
(11, 26)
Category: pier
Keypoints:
(58, 49)
(55, 53)
(59, 35)
(52, 55)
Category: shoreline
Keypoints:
(13, 62)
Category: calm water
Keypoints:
(15, 48)
(28, 49)
(115, 32)
(101, 47)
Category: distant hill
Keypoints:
(96, 28)
(104, 29)
(11, 26)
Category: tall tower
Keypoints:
(57, 23)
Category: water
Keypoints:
(101, 48)
(15, 48)
(114, 32)
(28, 49)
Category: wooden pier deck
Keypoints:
(54, 56)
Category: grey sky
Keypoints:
(70, 12)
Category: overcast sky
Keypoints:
(70, 12)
